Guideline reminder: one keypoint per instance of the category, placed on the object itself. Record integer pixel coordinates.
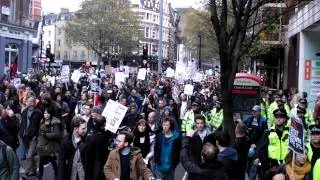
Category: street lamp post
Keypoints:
(199, 35)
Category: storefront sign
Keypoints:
(307, 70)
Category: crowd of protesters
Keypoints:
(61, 123)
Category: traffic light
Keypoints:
(145, 52)
(52, 58)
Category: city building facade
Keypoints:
(304, 49)
(17, 33)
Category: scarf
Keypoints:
(299, 171)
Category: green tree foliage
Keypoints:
(198, 23)
(106, 27)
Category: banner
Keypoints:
(64, 76)
(114, 113)
(296, 139)
(188, 89)
(95, 85)
(142, 74)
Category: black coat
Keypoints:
(27, 133)
(175, 150)
(196, 145)
(199, 172)
(97, 153)
(67, 152)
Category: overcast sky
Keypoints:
(55, 5)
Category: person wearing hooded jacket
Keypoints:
(209, 168)
(228, 156)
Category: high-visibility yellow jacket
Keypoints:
(264, 105)
(316, 167)
(188, 121)
(274, 106)
(278, 148)
(214, 118)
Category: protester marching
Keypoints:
(129, 123)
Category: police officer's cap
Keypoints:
(303, 101)
(280, 112)
(301, 110)
(219, 102)
(314, 128)
(195, 103)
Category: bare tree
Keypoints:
(237, 24)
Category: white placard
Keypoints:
(188, 89)
(64, 77)
(119, 77)
(16, 82)
(170, 72)
(114, 112)
(142, 74)
(52, 80)
(76, 75)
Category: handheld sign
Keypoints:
(142, 74)
(16, 82)
(114, 113)
(170, 72)
(76, 75)
(64, 77)
(296, 139)
(188, 89)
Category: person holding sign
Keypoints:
(273, 146)
(299, 169)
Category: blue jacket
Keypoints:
(255, 132)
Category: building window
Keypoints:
(75, 55)
(65, 55)
(147, 32)
(148, 16)
(49, 42)
(154, 18)
(59, 31)
(59, 42)
(82, 55)
(58, 55)
(49, 33)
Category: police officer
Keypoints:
(273, 147)
(277, 104)
(303, 106)
(314, 151)
(188, 120)
(215, 116)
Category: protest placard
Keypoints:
(142, 74)
(114, 112)
(95, 85)
(108, 69)
(16, 82)
(76, 75)
(296, 139)
(188, 89)
(170, 72)
(64, 76)
(119, 77)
